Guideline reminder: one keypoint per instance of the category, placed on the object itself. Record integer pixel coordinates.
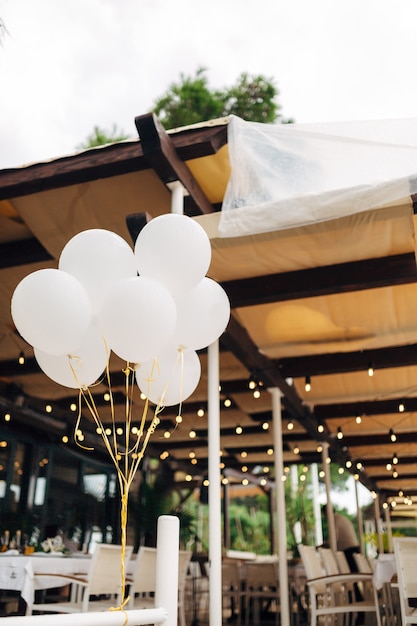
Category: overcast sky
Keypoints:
(68, 65)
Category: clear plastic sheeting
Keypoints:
(289, 175)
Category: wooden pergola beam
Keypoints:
(105, 161)
(160, 153)
(319, 281)
(22, 252)
(343, 362)
(374, 407)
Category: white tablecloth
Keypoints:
(385, 569)
(17, 572)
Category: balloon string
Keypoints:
(127, 459)
(123, 524)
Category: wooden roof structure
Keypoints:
(323, 303)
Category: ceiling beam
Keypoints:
(353, 276)
(375, 407)
(382, 461)
(160, 153)
(22, 252)
(344, 362)
(388, 476)
(101, 162)
(370, 441)
(105, 161)
(237, 341)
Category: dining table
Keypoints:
(385, 582)
(18, 572)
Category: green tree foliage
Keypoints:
(299, 509)
(192, 100)
(250, 524)
(253, 98)
(101, 137)
(158, 495)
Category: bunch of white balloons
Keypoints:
(148, 305)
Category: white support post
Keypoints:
(214, 490)
(388, 527)
(378, 525)
(330, 513)
(359, 518)
(166, 589)
(318, 529)
(281, 523)
(177, 197)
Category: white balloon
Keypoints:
(203, 315)
(51, 310)
(99, 259)
(175, 250)
(171, 377)
(79, 369)
(138, 318)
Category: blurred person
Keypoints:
(346, 538)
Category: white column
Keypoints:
(378, 525)
(388, 526)
(359, 517)
(214, 490)
(330, 513)
(177, 197)
(281, 522)
(318, 530)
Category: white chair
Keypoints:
(362, 563)
(143, 581)
(329, 561)
(342, 562)
(405, 550)
(344, 591)
(324, 590)
(103, 579)
(368, 588)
